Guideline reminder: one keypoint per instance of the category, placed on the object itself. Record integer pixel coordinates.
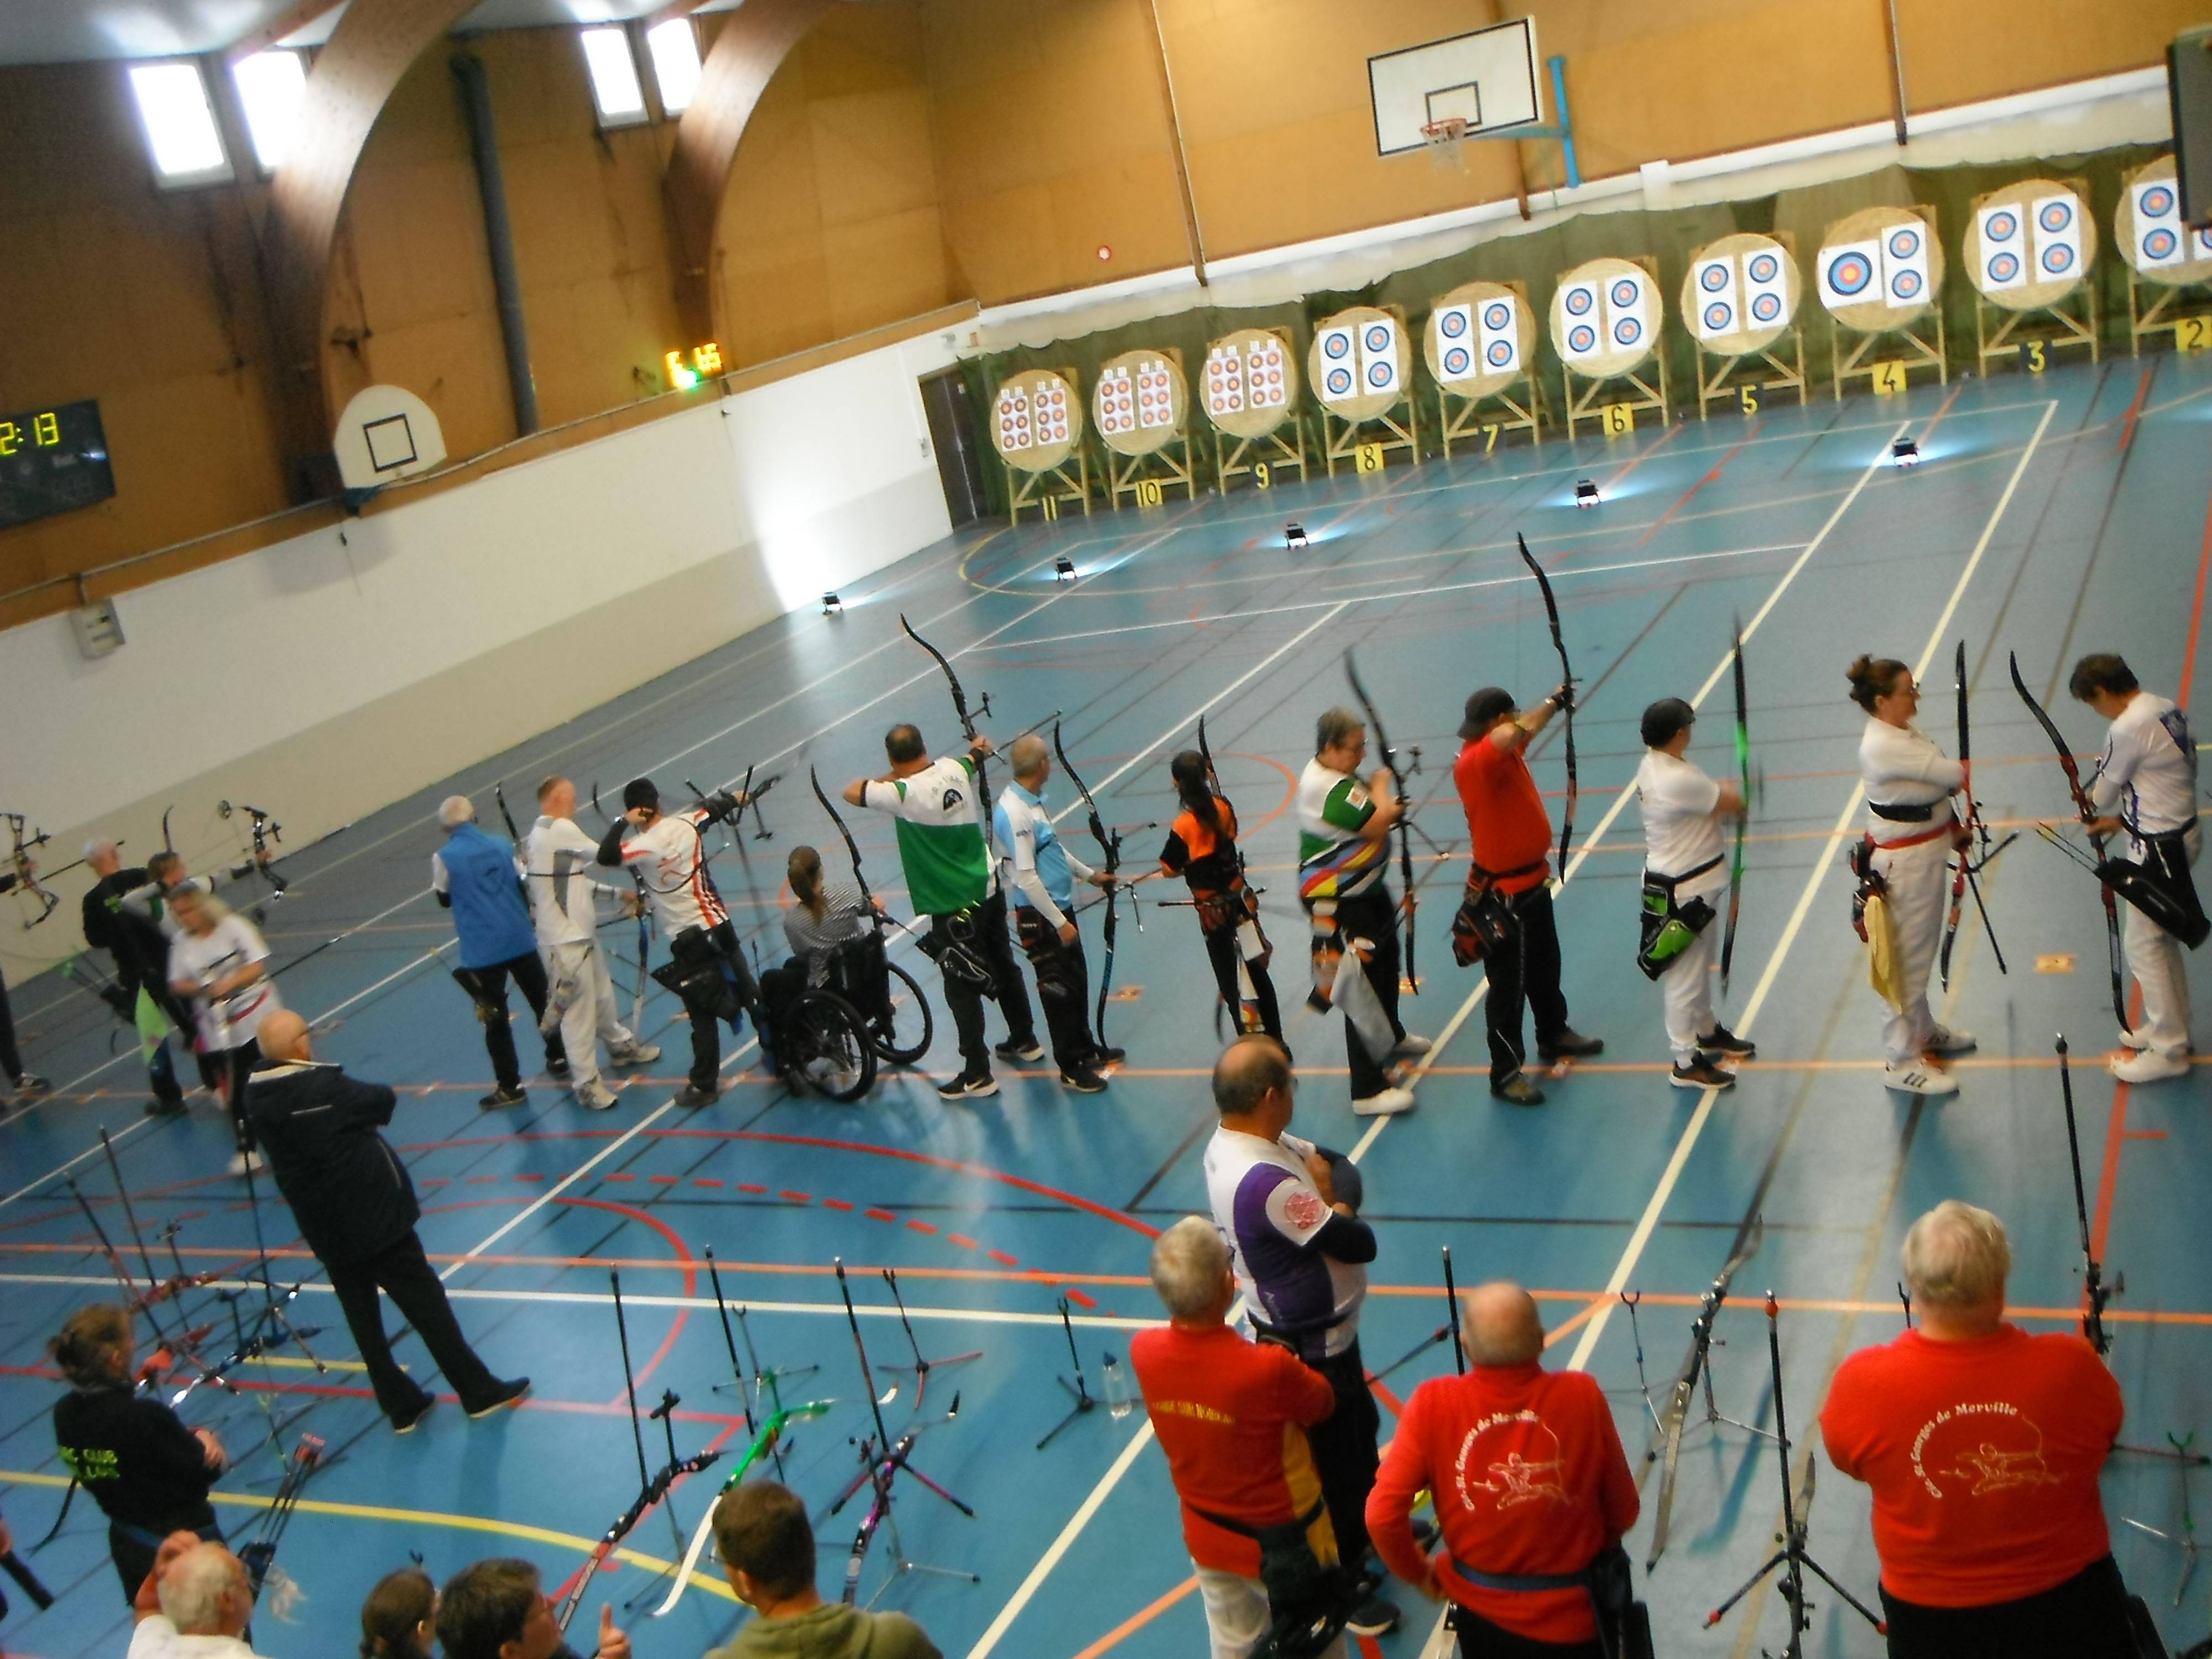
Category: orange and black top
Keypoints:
(1205, 855)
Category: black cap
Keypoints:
(1664, 720)
(640, 791)
(1483, 709)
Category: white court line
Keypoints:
(569, 1179)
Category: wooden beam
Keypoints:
(1191, 234)
(752, 46)
(375, 43)
(289, 21)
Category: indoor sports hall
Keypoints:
(413, 401)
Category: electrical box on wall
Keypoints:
(99, 630)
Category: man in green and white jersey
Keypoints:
(950, 875)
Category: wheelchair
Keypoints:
(898, 1018)
(867, 1010)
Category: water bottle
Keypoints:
(1120, 1398)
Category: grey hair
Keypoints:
(1028, 755)
(98, 844)
(196, 1584)
(1188, 1262)
(455, 811)
(1956, 1256)
(1335, 727)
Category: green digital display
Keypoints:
(53, 460)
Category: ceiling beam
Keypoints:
(748, 50)
(289, 21)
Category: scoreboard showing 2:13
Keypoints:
(52, 459)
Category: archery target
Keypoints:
(1605, 317)
(1155, 393)
(1014, 419)
(2057, 238)
(1717, 307)
(1739, 293)
(1250, 382)
(1766, 302)
(2031, 244)
(1579, 339)
(1361, 363)
(1140, 402)
(1879, 269)
(1116, 404)
(2148, 231)
(1474, 344)
(1500, 335)
(2004, 248)
(1340, 363)
(1224, 381)
(1456, 343)
(1036, 420)
(1848, 274)
(1378, 356)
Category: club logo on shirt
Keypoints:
(1514, 1458)
(950, 801)
(1986, 1447)
(1303, 1208)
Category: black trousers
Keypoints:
(1063, 981)
(966, 1001)
(233, 1067)
(2084, 1617)
(11, 1061)
(706, 1073)
(1529, 975)
(133, 1554)
(1480, 1639)
(1373, 915)
(401, 1271)
(528, 971)
(1224, 952)
(1345, 1453)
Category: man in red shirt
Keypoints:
(1529, 1482)
(1232, 1416)
(1981, 1444)
(1512, 835)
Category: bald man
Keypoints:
(1035, 865)
(1531, 1485)
(355, 1207)
(195, 1604)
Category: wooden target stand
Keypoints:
(1045, 476)
(1463, 402)
(2039, 319)
(1918, 338)
(1143, 463)
(1262, 457)
(1753, 361)
(2172, 289)
(1646, 374)
(1345, 427)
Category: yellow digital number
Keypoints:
(11, 437)
(46, 429)
(1748, 396)
(1490, 437)
(1889, 377)
(2031, 356)
(1368, 457)
(1148, 492)
(1050, 506)
(707, 358)
(2193, 334)
(1616, 419)
(1263, 475)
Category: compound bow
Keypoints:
(1566, 695)
(2089, 813)
(1404, 813)
(265, 829)
(27, 873)
(1110, 843)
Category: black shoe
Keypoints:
(30, 1083)
(1373, 1617)
(1106, 1057)
(1571, 1044)
(1701, 1073)
(692, 1099)
(969, 1085)
(556, 1065)
(503, 1096)
(405, 1424)
(1027, 1047)
(159, 1108)
(1722, 1041)
(509, 1394)
(1083, 1081)
(1519, 1090)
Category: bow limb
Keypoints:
(1743, 776)
(1566, 681)
(967, 722)
(2087, 811)
(27, 873)
(1405, 812)
(851, 847)
(1110, 846)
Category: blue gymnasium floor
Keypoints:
(2051, 515)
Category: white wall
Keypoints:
(336, 671)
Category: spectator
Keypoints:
(1983, 1445)
(478, 877)
(499, 1609)
(146, 1471)
(1231, 1417)
(400, 1616)
(355, 1207)
(194, 1603)
(1529, 1482)
(767, 1546)
(1300, 1252)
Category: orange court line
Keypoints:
(1136, 1621)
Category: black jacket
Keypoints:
(142, 1466)
(140, 948)
(347, 1187)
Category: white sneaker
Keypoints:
(1410, 1047)
(240, 1161)
(1387, 1103)
(2150, 1066)
(639, 1053)
(1945, 1041)
(598, 1099)
(1915, 1078)
(2132, 1039)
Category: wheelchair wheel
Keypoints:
(827, 1046)
(902, 1036)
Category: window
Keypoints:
(615, 86)
(675, 63)
(180, 130)
(270, 85)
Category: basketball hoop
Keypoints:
(1443, 138)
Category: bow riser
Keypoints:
(1111, 846)
(1405, 812)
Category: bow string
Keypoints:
(1566, 692)
(1743, 774)
(1110, 843)
(2088, 809)
(1405, 812)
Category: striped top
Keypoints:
(812, 941)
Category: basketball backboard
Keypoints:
(1486, 78)
(387, 434)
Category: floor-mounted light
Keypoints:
(832, 605)
(1063, 569)
(1905, 453)
(1586, 492)
(1294, 535)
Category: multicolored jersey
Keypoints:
(2147, 777)
(1334, 861)
(1268, 1209)
(671, 853)
(940, 835)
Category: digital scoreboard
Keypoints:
(52, 459)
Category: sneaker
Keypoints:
(1915, 1078)
(160, 1107)
(1410, 1047)
(31, 1084)
(1571, 1044)
(638, 1053)
(2150, 1066)
(2133, 1039)
(1106, 1057)
(691, 1099)
(969, 1085)
(502, 1095)
(1083, 1081)
(1384, 1103)
(406, 1424)
(556, 1065)
(1373, 1617)
(1945, 1041)
(1519, 1090)
(509, 1394)
(1701, 1073)
(1722, 1041)
(244, 1159)
(597, 1099)
(1026, 1047)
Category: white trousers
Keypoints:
(1236, 1614)
(1919, 884)
(2161, 974)
(1687, 986)
(589, 1017)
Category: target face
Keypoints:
(1379, 375)
(2159, 244)
(2057, 258)
(1379, 338)
(1905, 284)
(1336, 347)
(1339, 381)
(2055, 216)
(1452, 324)
(1851, 273)
(1579, 301)
(1714, 278)
(1764, 267)
(1903, 242)
(2158, 201)
(1625, 293)
(1498, 316)
(1766, 307)
(1582, 339)
(1627, 330)
(2001, 226)
(1501, 354)
(1457, 360)
(1718, 316)
(2003, 267)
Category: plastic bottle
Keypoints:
(1120, 1398)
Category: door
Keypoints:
(953, 433)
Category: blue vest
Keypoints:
(488, 913)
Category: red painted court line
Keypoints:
(748, 1186)
(701, 1180)
(662, 1181)
(1673, 433)
(2146, 1134)
(2128, 426)
(1684, 499)
(964, 1241)
(1002, 1257)
(1079, 1298)
(836, 1204)
(1136, 1621)
(1942, 409)
(879, 1215)
(921, 1226)
(797, 1198)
